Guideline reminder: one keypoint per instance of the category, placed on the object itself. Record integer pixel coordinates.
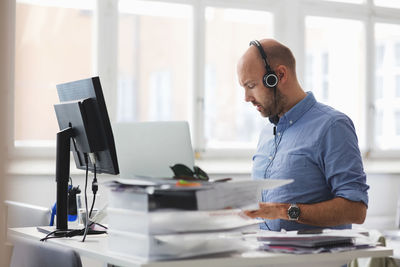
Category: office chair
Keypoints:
(30, 253)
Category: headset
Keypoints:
(270, 79)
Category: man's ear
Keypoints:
(281, 71)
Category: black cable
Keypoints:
(91, 208)
(86, 215)
(48, 235)
(72, 233)
(103, 226)
(269, 164)
(266, 169)
(275, 151)
(95, 187)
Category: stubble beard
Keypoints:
(274, 107)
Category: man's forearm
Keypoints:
(333, 212)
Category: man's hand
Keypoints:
(269, 211)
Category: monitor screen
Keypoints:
(101, 139)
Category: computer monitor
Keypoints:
(85, 130)
(91, 89)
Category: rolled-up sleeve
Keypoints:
(340, 160)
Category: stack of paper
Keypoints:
(158, 220)
(175, 221)
(327, 241)
(173, 246)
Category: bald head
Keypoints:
(277, 54)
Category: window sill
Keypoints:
(37, 167)
(231, 167)
(376, 166)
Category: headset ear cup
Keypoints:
(270, 80)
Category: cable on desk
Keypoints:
(86, 206)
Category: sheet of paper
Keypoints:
(237, 193)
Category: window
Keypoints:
(48, 50)
(397, 123)
(335, 65)
(154, 61)
(397, 86)
(387, 3)
(387, 37)
(379, 124)
(160, 97)
(348, 1)
(378, 86)
(176, 60)
(230, 122)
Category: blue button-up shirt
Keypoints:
(316, 146)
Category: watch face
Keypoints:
(294, 212)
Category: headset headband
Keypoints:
(257, 44)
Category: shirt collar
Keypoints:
(299, 109)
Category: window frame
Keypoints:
(289, 28)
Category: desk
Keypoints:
(96, 247)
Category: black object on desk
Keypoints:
(308, 241)
(310, 231)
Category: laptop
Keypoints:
(148, 149)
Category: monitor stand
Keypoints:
(62, 177)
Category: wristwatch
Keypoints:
(293, 212)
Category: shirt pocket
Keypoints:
(297, 161)
(302, 167)
(290, 165)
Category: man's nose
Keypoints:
(248, 97)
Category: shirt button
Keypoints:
(270, 157)
(290, 122)
(279, 133)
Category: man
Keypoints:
(313, 144)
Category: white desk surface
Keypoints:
(96, 247)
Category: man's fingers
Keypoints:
(251, 213)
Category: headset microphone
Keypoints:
(274, 119)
